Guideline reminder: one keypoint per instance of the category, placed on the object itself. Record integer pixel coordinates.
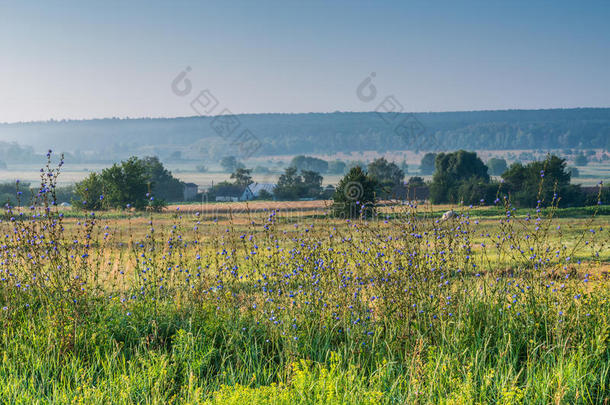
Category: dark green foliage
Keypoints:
(135, 183)
(387, 175)
(309, 163)
(90, 193)
(475, 190)
(454, 169)
(427, 163)
(544, 181)
(312, 184)
(288, 185)
(602, 197)
(116, 187)
(8, 194)
(292, 186)
(164, 185)
(497, 166)
(355, 195)
(416, 181)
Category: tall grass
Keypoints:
(258, 308)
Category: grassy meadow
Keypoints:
(282, 304)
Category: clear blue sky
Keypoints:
(76, 59)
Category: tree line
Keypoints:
(457, 177)
(290, 134)
(461, 177)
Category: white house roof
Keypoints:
(256, 188)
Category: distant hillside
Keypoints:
(194, 137)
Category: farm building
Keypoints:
(190, 191)
(257, 188)
(231, 192)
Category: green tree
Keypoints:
(90, 193)
(451, 170)
(164, 186)
(242, 177)
(135, 182)
(546, 181)
(309, 163)
(427, 163)
(312, 184)
(116, 186)
(289, 185)
(355, 195)
(416, 181)
(476, 190)
(497, 166)
(387, 175)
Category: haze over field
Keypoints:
(288, 134)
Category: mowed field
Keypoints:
(282, 303)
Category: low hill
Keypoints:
(284, 134)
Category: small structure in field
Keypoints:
(190, 191)
(235, 193)
(255, 190)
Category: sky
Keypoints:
(78, 60)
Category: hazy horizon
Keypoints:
(291, 113)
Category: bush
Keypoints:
(476, 191)
(355, 195)
(544, 182)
